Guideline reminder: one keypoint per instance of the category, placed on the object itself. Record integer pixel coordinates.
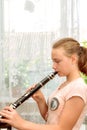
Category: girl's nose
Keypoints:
(54, 66)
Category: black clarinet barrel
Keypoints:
(4, 126)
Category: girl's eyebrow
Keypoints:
(56, 59)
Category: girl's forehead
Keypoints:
(58, 51)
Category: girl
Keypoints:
(67, 105)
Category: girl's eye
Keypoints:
(57, 61)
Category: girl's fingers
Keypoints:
(32, 87)
(6, 112)
(8, 108)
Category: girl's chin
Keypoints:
(60, 74)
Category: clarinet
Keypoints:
(27, 95)
(31, 92)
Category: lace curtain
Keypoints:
(28, 29)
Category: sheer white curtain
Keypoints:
(69, 18)
(28, 29)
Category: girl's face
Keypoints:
(61, 63)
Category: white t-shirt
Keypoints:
(59, 97)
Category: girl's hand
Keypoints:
(37, 96)
(11, 117)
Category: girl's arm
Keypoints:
(41, 102)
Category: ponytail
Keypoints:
(82, 61)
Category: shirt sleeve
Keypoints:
(80, 91)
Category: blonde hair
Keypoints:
(72, 46)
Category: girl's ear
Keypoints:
(74, 58)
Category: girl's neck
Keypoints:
(73, 76)
(69, 79)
